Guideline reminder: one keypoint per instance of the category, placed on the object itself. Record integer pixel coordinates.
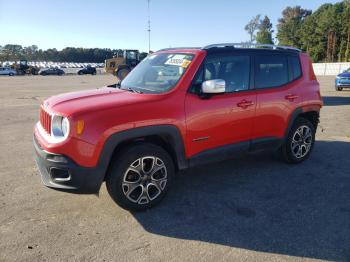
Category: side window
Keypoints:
(234, 69)
(271, 71)
(296, 69)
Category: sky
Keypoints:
(123, 23)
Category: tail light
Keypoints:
(312, 75)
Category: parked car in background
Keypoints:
(51, 71)
(342, 80)
(7, 71)
(87, 71)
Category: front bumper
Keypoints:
(342, 82)
(61, 173)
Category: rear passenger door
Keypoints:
(278, 94)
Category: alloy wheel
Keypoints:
(144, 180)
(301, 141)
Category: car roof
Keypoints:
(232, 47)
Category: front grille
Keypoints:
(45, 120)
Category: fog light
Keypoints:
(59, 174)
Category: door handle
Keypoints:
(291, 97)
(244, 104)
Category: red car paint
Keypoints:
(203, 123)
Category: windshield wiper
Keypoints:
(132, 90)
(116, 85)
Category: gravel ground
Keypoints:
(254, 208)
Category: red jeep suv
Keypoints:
(178, 108)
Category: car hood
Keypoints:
(93, 100)
(345, 74)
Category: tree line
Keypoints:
(69, 54)
(323, 34)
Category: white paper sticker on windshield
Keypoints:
(186, 63)
(176, 60)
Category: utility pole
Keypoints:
(149, 28)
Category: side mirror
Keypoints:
(215, 86)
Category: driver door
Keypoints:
(224, 119)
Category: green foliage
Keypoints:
(69, 54)
(264, 35)
(290, 24)
(324, 34)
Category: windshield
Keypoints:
(157, 73)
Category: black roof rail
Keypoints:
(250, 45)
(237, 45)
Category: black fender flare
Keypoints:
(170, 131)
(296, 113)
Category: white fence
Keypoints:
(329, 69)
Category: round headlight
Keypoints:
(59, 126)
(65, 126)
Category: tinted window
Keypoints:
(271, 71)
(233, 69)
(296, 70)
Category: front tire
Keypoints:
(140, 176)
(300, 141)
(338, 88)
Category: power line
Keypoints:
(149, 27)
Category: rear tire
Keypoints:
(300, 141)
(140, 176)
(11, 74)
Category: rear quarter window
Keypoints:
(295, 66)
(271, 71)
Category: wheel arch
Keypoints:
(311, 113)
(166, 136)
